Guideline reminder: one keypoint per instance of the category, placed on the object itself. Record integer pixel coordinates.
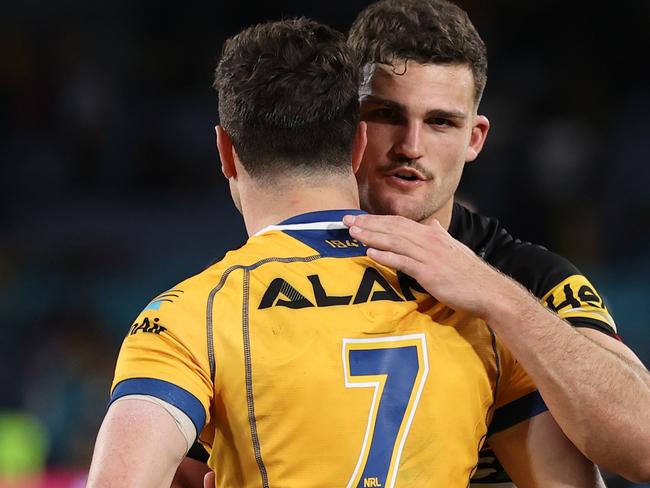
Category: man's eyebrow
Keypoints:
(384, 102)
(437, 113)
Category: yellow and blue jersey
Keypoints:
(302, 363)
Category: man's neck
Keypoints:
(262, 206)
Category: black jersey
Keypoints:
(553, 279)
(559, 285)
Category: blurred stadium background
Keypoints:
(110, 189)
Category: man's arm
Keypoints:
(599, 397)
(537, 454)
(618, 348)
(139, 444)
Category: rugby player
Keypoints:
(424, 70)
(296, 360)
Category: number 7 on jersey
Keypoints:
(396, 368)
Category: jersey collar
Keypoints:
(320, 220)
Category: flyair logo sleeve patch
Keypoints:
(576, 298)
(169, 296)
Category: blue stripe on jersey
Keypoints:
(322, 216)
(517, 411)
(334, 243)
(165, 391)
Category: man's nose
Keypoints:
(408, 144)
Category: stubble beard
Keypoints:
(419, 211)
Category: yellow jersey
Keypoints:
(303, 363)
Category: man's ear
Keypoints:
(226, 152)
(359, 146)
(477, 139)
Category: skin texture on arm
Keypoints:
(597, 390)
(537, 454)
(619, 349)
(138, 444)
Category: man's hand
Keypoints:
(445, 267)
(208, 480)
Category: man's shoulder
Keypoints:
(191, 293)
(552, 278)
(532, 265)
(259, 252)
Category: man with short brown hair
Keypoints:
(424, 70)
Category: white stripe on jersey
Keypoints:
(306, 226)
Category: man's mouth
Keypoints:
(406, 175)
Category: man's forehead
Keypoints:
(418, 86)
(374, 76)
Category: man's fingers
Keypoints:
(381, 223)
(399, 262)
(416, 234)
(386, 242)
(208, 480)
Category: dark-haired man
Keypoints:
(425, 68)
(295, 360)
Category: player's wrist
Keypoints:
(509, 304)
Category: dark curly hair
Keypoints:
(424, 31)
(288, 97)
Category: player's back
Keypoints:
(327, 370)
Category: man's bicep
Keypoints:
(133, 427)
(536, 453)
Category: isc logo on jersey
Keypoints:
(575, 297)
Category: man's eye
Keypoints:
(384, 112)
(381, 115)
(441, 122)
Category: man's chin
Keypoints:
(403, 209)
